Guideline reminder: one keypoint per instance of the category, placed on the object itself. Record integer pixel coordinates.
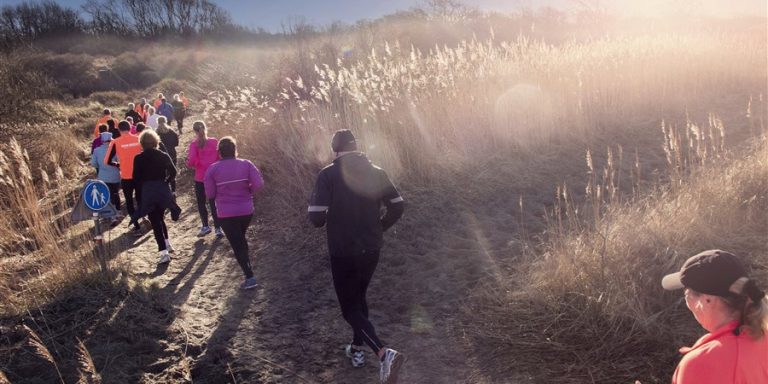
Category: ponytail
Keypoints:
(202, 133)
(752, 304)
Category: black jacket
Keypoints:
(348, 195)
(170, 140)
(135, 116)
(152, 171)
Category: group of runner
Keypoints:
(137, 154)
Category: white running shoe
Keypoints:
(164, 257)
(390, 366)
(169, 247)
(219, 233)
(204, 231)
(356, 356)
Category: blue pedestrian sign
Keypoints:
(96, 195)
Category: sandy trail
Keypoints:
(290, 328)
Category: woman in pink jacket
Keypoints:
(202, 153)
(232, 182)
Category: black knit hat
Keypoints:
(343, 141)
(711, 272)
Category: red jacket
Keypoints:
(721, 357)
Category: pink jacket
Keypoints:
(201, 158)
(232, 183)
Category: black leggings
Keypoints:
(157, 219)
(200, 196)
(131, 190)
(234, 229)
(351, 275)
(114, 194)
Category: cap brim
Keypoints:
(672, 282)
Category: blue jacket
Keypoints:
(166, 110)
(105, 172)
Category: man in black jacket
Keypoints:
(348, 196)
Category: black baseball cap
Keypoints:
(343, 141)
(711, 272)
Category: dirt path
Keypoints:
(290, 329)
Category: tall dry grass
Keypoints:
(42, 252)
(587, 306)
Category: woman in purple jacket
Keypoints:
(232, 182)
(203, 153)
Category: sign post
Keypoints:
(95, 204)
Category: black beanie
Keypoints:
(343, 141)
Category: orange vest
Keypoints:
(126, 147)
(101, 121)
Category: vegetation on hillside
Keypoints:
(668, 124)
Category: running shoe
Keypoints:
(204, 231)
(175, 212)
(164, 257)
(169, 247)
(356, 356)
(219, 233)
(390, 366)
(137, 232)
(248, 283)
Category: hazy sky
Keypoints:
(270, 14)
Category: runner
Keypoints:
(140, 110)
(133, 126)
(135, 116)
(232, 182)
(125, 148)
(105, 172)
(348, 194)
(145, 114)
(165, 109)
(112, 128)
(97, 141)
(152, 118)
(169, 140)
(202, 153)
(106, 115)
(152, 173)
(158, 101)
(184, 100)
(731, 307)
(179, 112)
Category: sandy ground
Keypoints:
(290, 328)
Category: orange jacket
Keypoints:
(125, 147)
(722, 357)
(101, 121)
(140, 110)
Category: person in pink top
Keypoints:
(232, 182)
(728, 304)
(202, 153)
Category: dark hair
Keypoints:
(343, 141)
(227, 147)
(140, 127)
(103, 128)
(202, 133)
(110, 124)
(124, 125)
(106, 111)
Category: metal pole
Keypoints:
(101, 253)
